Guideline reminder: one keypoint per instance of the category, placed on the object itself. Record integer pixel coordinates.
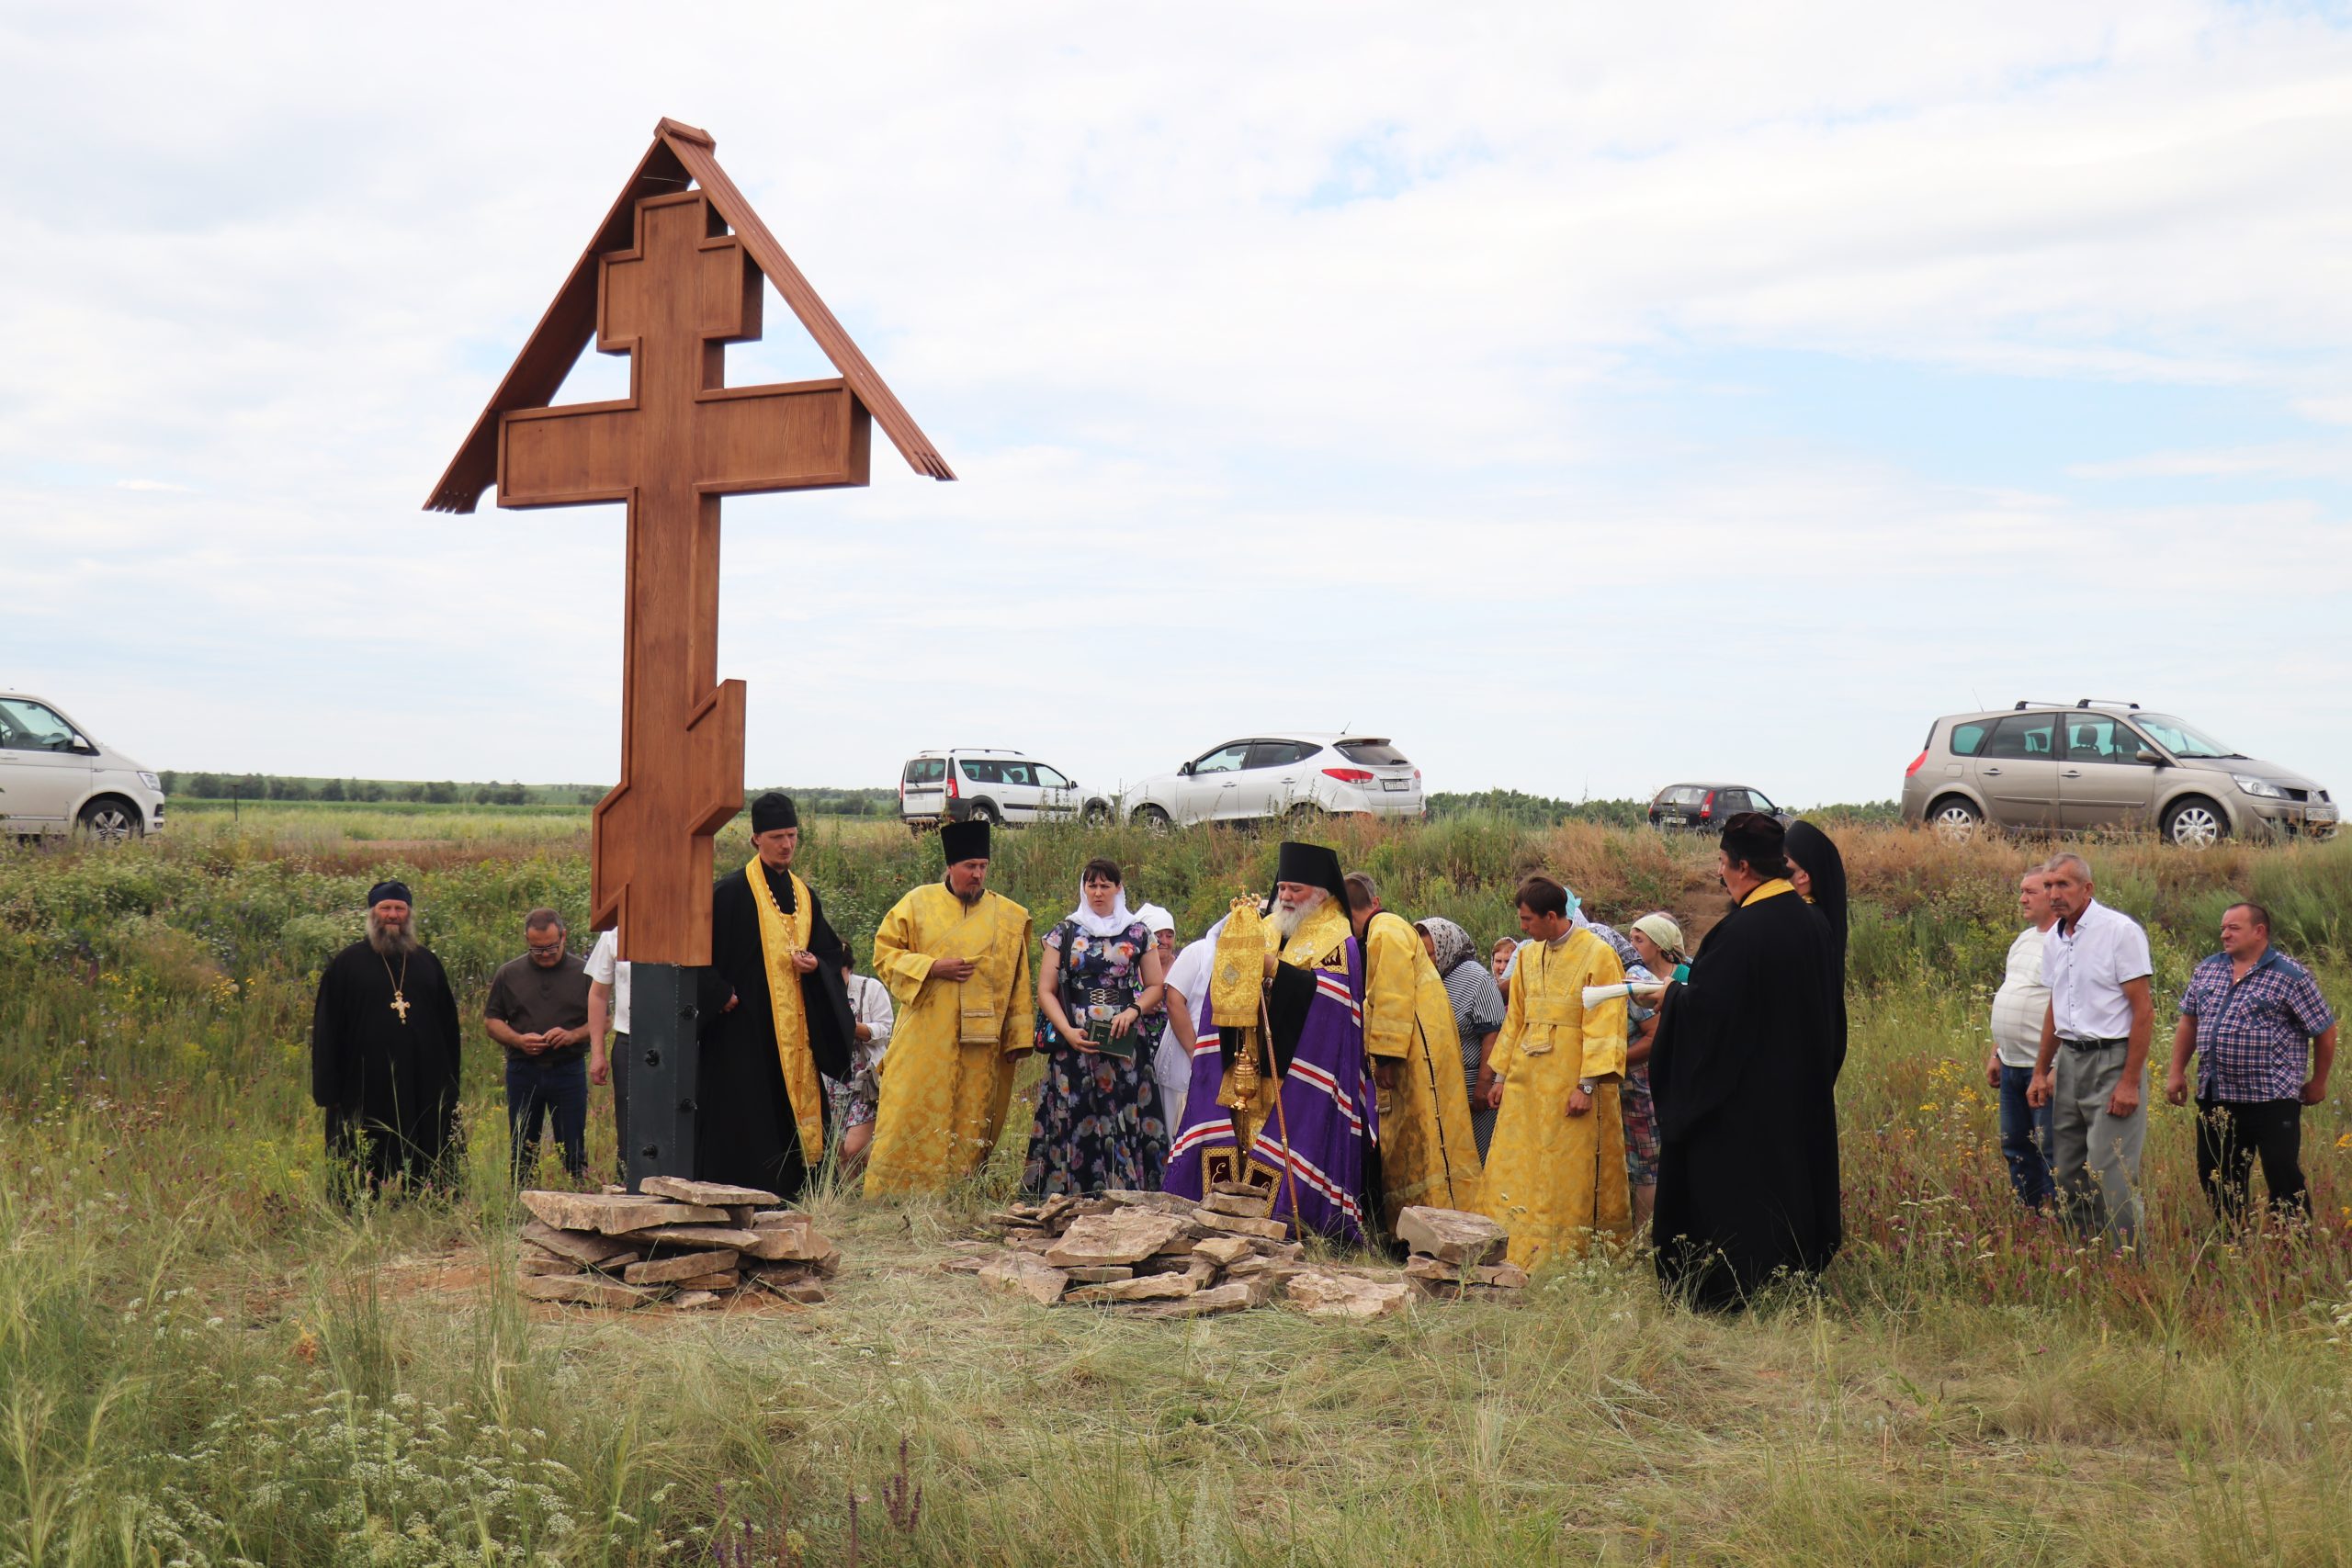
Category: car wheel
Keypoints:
(2195, 823)
(1152, 819)
(1098, 815)
(1306, 814)
(1955, 820)
(982, 811)
(111, 822)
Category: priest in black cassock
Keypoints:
(384, 1053)
(1744, 1070)
(782, 1017)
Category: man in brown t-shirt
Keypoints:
(539, 1010)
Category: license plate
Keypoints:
(1395, 784)
(2320, 813)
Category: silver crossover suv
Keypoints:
(2044, 766)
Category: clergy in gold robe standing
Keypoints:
(1556, 1171)
(1429, 1152)
(956, 957)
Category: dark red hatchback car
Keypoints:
(1706, 807)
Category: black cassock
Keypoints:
(1744, 1072)
(388, 1088)
(744, 1129)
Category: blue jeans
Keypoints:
(2025, 1138)
(536, 1091)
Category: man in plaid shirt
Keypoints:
(2255, 1020)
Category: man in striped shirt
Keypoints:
(2256, 1022)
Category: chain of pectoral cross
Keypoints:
(399, 1002)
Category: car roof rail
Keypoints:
(2107, 703)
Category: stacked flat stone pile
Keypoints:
(1457, 1255)
(681, 1243)
(1154, 1254)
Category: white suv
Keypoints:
(979, 783)
(1298, 775)
(55, 779)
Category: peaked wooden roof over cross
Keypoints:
(679, 154)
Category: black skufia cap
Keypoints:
(1312, 866)
(964, 841)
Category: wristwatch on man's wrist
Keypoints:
(1585, 1086)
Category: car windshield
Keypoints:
(2179, 738)
(26, 725)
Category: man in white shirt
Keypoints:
(2093, 1065)
(2018, 1007)
(1183, 991)
(1172, 1056)
(608, 1009)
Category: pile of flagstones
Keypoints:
(688, 1243)
(1155, 1254)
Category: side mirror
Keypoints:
(1184, 770)
(2145, 755)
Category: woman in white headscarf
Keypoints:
(1100, 1123)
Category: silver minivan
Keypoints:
(2047, 767)
(55, 779)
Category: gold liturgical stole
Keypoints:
(1238, 978)
(1550, 1008)
(781, 936)
(979, 1024)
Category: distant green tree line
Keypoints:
(446, 791)
(1530, 810)
(1536, 810)
(443, 792)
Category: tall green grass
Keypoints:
(201, 1361)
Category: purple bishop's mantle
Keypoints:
(1332, 1122)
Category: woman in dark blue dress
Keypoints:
(1099, 1121)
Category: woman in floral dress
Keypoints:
(1099, 1124)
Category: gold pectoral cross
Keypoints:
(400, 1005)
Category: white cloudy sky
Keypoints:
(1587, 396)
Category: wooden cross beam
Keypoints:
(679, 441)
(673, 277)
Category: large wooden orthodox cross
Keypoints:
(671, 278)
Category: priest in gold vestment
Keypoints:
(956, 957)
(1429, 1151)
(1555, 1170)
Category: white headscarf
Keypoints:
(1110, 925)
(1155, 919)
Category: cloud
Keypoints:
(1353, 373)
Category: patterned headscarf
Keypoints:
(1453, 944)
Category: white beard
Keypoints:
(1288, 919)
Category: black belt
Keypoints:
(2091, 1045)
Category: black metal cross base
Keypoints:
(662, 1071)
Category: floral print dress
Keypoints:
(1099, 1122)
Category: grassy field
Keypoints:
(200, 1362)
